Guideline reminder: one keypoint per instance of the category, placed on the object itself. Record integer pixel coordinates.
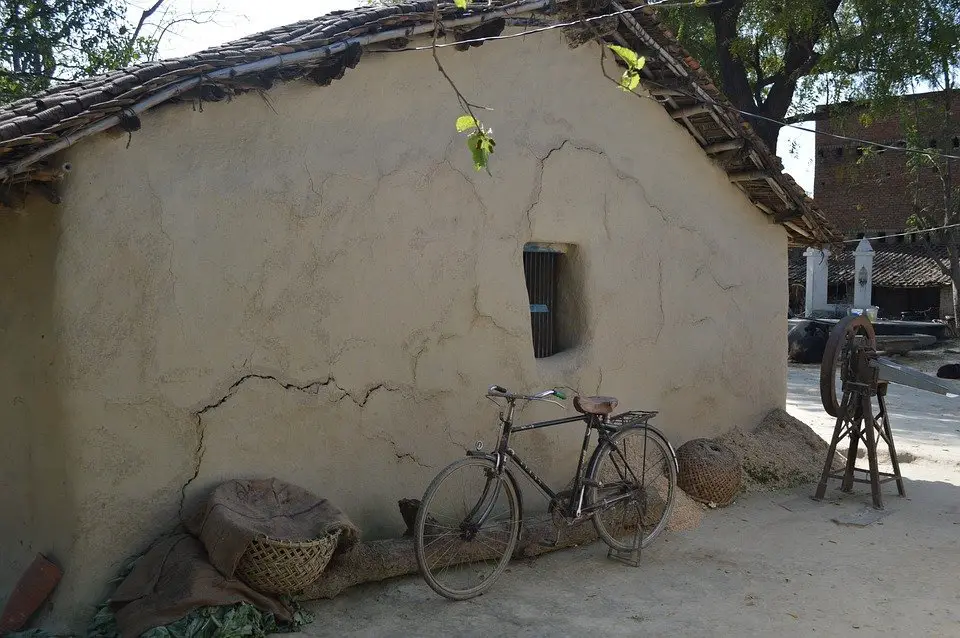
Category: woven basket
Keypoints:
(709, 471)
(285, 567)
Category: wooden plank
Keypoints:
(748, 176)
(720, 147)
(690, 111)
(792, 226)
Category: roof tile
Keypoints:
(100, 96)
(894, 266)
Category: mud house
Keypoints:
(260, 260)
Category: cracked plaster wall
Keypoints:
(318, 286)
(37, 508)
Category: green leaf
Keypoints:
(466, 122)
(627, 55)
(630, 80)
(481, 147)
(461, 4)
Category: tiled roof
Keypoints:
(894, 266)
(32, 130)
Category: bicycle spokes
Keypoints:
(635, 489)
(470, 518)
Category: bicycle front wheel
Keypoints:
(635, 472)
(466, 528)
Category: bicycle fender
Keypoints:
(595, 457)
(510, 476)
(663, 437)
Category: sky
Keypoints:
(220, 21)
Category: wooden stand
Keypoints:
(858, 422)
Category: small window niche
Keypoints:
(553, 276)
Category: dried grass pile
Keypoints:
(781, 452)
(687, 514)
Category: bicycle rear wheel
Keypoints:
(634, 469)
(466, 528)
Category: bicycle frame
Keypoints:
(573, 509)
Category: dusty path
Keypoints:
(753, 569)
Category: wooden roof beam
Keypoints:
(798, 230)
(748, 176)
(689, 111)
(720, 147)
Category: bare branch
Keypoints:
(162, 31)
(143, 18)
(464, 103)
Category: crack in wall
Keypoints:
(538, 183)
(310, 388)
(398, 453)
(416, 359)
(470, 182)
(313, 186)
(663, 316)
(722, 286)
(620, 175)
(366, 395)
(606, 217)
(481, 315)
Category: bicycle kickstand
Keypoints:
(630, 556)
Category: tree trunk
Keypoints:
(772, 96)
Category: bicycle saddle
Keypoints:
(595, 405)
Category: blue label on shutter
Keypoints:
(538, 307)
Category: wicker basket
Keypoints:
(285, 567)
(709, 471)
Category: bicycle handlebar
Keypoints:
(501, 392)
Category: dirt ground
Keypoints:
(771, 564)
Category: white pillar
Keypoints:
(817, 279)
(863, 275)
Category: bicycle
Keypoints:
(477, 538)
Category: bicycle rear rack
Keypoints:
(633, 417)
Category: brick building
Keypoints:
(866, 191)
(872, 192)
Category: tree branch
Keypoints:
(192, 19)
(733, 73)
(143, 18)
